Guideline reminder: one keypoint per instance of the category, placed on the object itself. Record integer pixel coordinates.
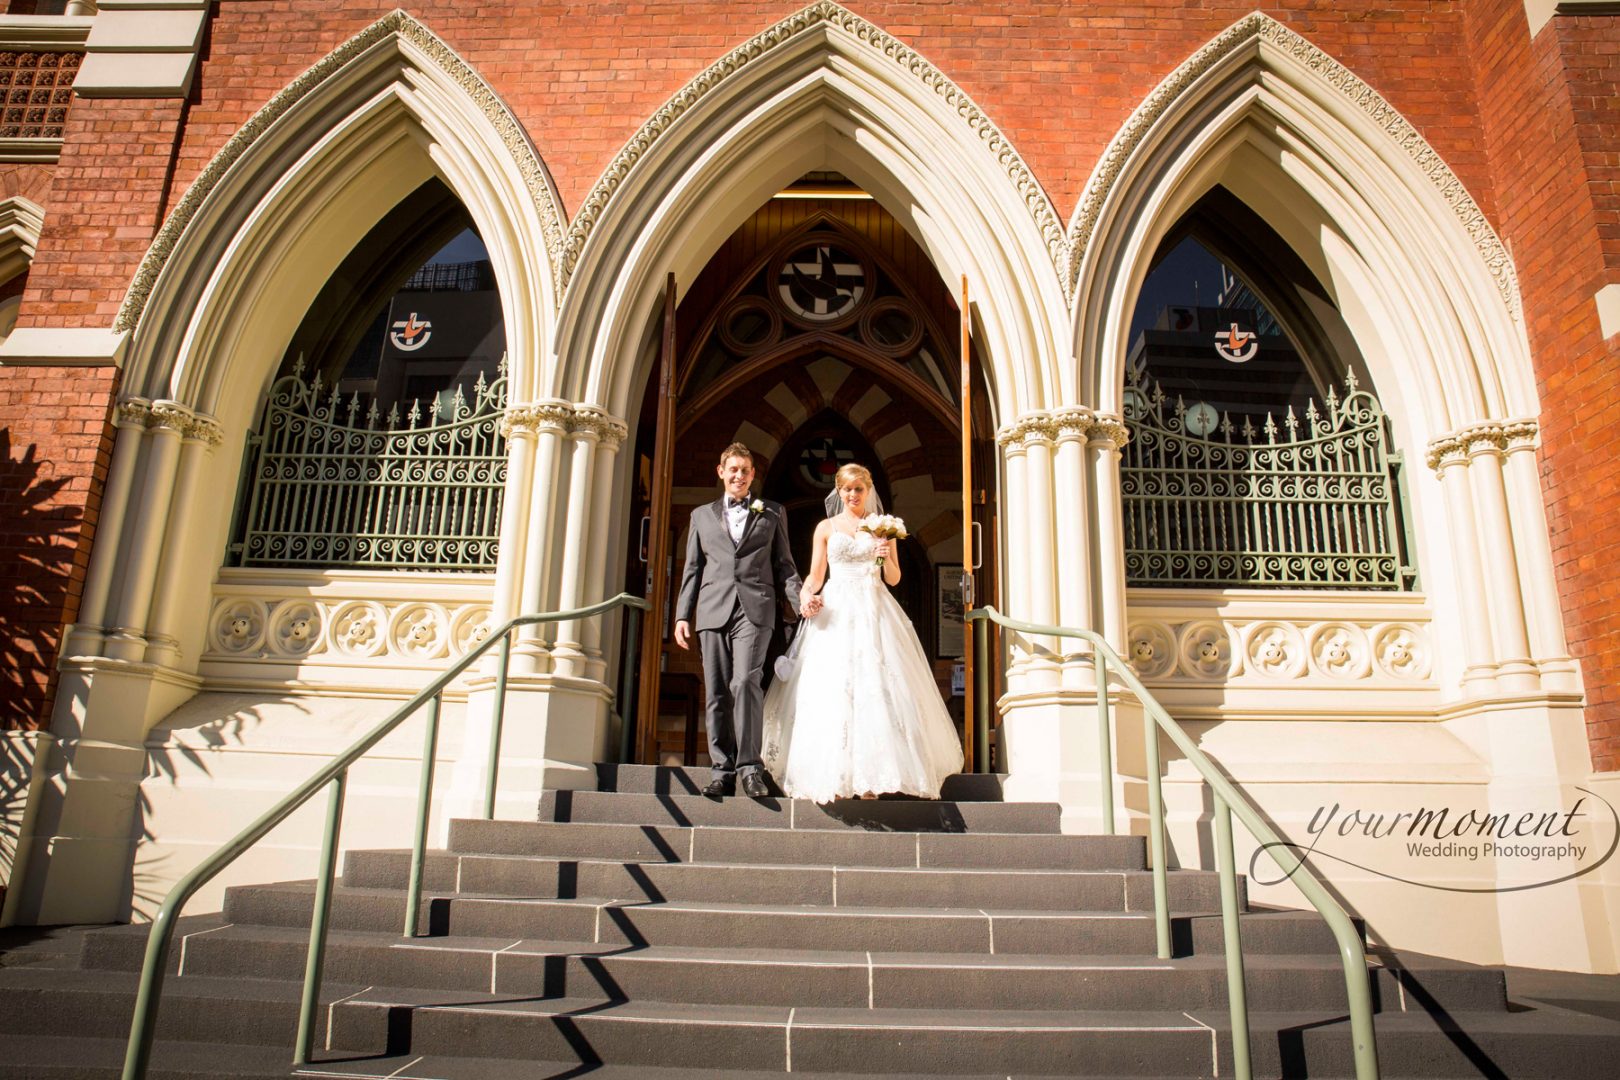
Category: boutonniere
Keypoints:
(757, 506)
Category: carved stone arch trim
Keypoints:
(1260, 29)
(396, 23)
(823, 13)
(20, 222)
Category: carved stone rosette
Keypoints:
(1204, 651)
(403, 632)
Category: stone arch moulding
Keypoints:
(394, 101)
(1383, 221)
(20, 222)
(823, 89)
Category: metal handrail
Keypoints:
(1228, 799)
(334, 776)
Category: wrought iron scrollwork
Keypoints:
(1308, 503)
(331, 482)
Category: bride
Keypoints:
(860, 713)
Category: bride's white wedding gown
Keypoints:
(861, 711)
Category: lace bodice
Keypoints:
(850, 556)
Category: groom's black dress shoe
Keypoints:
(718, 789)
(753, 786)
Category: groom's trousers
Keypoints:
(733, 673)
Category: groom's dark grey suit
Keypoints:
(728, 595)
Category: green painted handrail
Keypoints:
(334, 776)
(1228, 800)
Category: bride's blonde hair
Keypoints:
(850, 473)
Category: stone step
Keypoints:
(1063, 890)
(705, 923)
(985, 982)
(879, 815)
(1072, 1043)
(811, 847)
(99, 1004)
(76, 1057)
(689, 780)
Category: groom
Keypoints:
(736, 557)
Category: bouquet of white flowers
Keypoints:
(884, 527)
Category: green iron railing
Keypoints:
(328, 483)
(1312, 503)
(333, 777)
(1228, 800)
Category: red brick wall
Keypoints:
(1548, 116)
(1059, 78)
(55, 442)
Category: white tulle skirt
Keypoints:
(860, 712)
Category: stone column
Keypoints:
(1515, 674)
(1448, 457)
(1548, 647)
(1014, 529)
(1107, 437)
(1074, 555)
(1041, 601)
(612, 433)
(200, 435)
(568, 656)
(549, 421)
(514, 520)
(87, 635)
(126, 625)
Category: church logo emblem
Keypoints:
(408, 335)
(1237, 345)
(820, 283)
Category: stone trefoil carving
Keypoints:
(1266, 651)
(341, 631)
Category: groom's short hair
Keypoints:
(736, 449)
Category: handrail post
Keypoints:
(413, 895)
(316, 960)
(1105, 744)
(143, 1027)
(981, 695)
(1236, 993)
(496, 722)
(1156, 845)
(627, 683)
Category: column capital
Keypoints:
(169, 416)
(591, 422)
(1074, 423)
(1031, 428)
(553, 415)
(1493, 437)
(1108, 432)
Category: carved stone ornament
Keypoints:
(395, 24)
(295, 628)
(1262, 27)
(238, 626)
(1205, 651)
(419, 631)
(1275, 649)
(1339, 651)
(554, 416)
(1150, 648)
(359, 629)
(608, 430)
(1483, 437)
(1400, 651)
(469, 628)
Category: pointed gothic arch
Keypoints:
(1419, 274)
(280, 204)
(823, 89)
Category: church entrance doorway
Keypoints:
(818, 334)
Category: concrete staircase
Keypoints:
(642, 931)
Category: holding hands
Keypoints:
(809, 605)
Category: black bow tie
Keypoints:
(732, 503)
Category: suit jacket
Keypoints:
(719, 573)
